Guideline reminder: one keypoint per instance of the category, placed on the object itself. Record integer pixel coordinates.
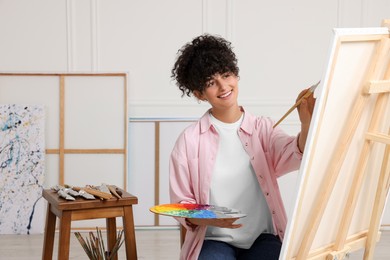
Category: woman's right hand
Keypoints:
(217, 222)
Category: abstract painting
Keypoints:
(22, 154)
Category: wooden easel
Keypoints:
(378, 83)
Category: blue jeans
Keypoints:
(266, 246)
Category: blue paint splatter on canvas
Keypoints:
(22, 154)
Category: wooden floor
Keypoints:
(151, 244)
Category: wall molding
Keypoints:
(339, 12)
(95, 17)
(191, 109)
(190, 102)
(205, 14)
(230, 20)
(69, 35)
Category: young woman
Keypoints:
(230, 158)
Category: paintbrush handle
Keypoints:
(287, 113)
(307, 94)
(100, 194)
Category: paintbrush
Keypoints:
(307, 94)
(100, 194)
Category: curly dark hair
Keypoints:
(199, 60)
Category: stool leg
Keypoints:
(111, 234)
(48, 240)
(128, 225)
(64, 236)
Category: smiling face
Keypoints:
(201, 59)
(221, 91)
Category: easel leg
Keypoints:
(380, 200)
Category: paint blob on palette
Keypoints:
(196, 211)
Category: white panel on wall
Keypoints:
(350, 13)
(142, 37)
(141, 170)
(81, 34)
(216, 17)
(362, 13)
(281, 46)
(33, 35)
(374, 12)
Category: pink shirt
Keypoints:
(272, 154)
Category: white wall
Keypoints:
(281, 46)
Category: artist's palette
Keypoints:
(196, 211)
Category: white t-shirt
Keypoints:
(234, 185)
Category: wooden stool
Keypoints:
(81, 209)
